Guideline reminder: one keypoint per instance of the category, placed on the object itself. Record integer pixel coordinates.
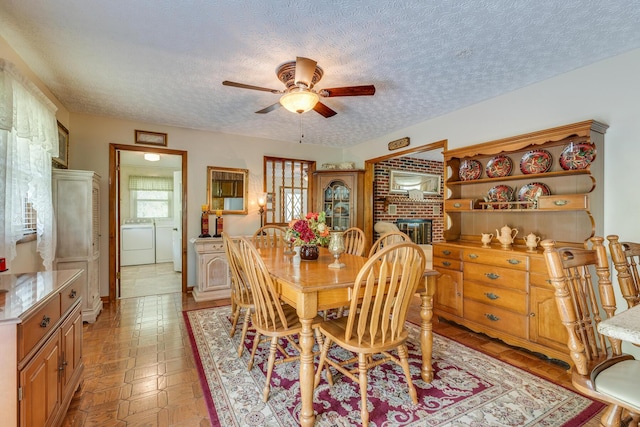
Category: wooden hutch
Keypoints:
(505, 293)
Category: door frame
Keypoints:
(114, 208)
(369, 177)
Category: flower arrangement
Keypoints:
(312, 230)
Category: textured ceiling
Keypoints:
(163, 61)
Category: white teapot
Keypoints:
(506, 235)
(531, 241)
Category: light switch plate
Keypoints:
(392, 209)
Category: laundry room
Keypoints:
(149, 219)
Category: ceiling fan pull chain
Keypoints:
(301, 130)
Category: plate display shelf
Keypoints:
(575, 194)
(504, 292)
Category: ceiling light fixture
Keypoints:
(151, 157)
(299, 100)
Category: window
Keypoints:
(286, 182)
(29, 218)
(151, 196)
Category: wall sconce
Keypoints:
(262, 202)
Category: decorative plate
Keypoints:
(470, 170)
(536, 161)
(499, 166)
(577, 155)
(528, 192)
(500, 193)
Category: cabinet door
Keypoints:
(545, 325)
(448, 296)
(216, 271)
(40, 386)
(71, 346)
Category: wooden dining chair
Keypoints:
(387, 239)
(376, 321)
(625, 257)
(271, 318)
(269, 236)
(241, 298)
(600, 370)
(354, 241)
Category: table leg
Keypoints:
(426, 329)
(307, 372)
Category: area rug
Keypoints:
(469, 388)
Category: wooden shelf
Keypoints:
(532, 176)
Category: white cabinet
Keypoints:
(213, 277)
(76, 205)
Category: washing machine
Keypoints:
(137, 242)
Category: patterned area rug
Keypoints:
(469, 387)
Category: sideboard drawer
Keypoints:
(68, 297)
(505, 277)
(459, 204)
(496, 296)
(496, 318)
(500, 258)
(452, 264)
(444, 251)
(36, 326)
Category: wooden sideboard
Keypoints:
(41, 363)
(505, 292)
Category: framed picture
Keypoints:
(402, 182)
(62, 161)
(151, 138)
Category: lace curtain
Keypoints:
(28, 140)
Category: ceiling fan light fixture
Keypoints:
(299, 101)
(151, 157)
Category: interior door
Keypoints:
(177, 218)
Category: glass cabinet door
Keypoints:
(337, 205)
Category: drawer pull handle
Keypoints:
(548, 281)
(492, 276)
(473, 256)
(513, 261)
(491, 295)
(73, 293)
(492, 317)
(561, 202)
(45, 321)
(446, 252)
(457, 205)
(446, 263)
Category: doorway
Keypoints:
(431, 151)
(147, 229)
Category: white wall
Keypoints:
(608, 91)
(90, 136)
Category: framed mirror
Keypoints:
(227, 190)
(402, 182)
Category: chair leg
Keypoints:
(256, 341)
(245, 328)
(612, 416)
(362, 379)
(322, 363)
(404, 362)
(272, 361)
(234, 322)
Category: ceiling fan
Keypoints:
(299, 77)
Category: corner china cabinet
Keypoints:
(76, 205)
(339, 193)
(549, 183)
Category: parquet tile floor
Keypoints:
(140, 370)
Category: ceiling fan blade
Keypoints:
(324, 110)
(269, 108)
(244, 86)
(349, 91)
(305, 68)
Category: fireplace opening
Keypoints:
(419, 230)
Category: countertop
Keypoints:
(20, 293)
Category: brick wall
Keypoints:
(407, 208)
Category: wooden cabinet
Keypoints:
(505, 292)
(339, 193)
(41, 363)
(213, 277)
(76, 204)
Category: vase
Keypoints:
(309, 252)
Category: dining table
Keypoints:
(312, 286)
(624, 326)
